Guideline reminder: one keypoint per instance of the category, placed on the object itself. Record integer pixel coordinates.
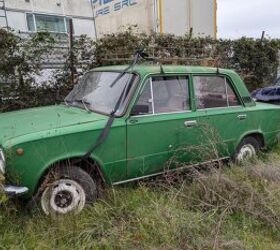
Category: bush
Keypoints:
(21, 60)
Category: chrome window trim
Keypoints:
(2, 160)
(170, 113)
(219, 108)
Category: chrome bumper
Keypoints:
(15, 191)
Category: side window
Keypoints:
(170, 94)
(144, 105)
(214, 92)
(161, 95)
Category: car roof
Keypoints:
(144, 69)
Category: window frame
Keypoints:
(230, 83)
(33, 14)
(148, 80)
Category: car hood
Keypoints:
(19, 123)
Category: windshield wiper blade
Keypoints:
(67, 103)
(85, 104)
(106, 130)
(139, 54)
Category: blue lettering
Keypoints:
(117, 6)
(106, 10)
(99, 12)
(125, 3)
(107, 1)
(95, 1)
(102, 11)
(101, 2)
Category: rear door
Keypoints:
(222, 117)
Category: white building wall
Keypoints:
(79, 10)
(83, 27)
(61, 7)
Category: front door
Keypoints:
(165, 126)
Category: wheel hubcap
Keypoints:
(62, 197)
(246, 152)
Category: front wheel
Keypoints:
(247, 149)
(68, 191)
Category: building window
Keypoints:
(40, 22)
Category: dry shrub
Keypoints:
(253, 190)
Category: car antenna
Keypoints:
(218, 68)
(161, 69)
(218, 71)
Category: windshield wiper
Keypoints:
(66, 103)
(137, 56)
(106, 130)
(85, 104)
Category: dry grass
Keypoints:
(229, 207)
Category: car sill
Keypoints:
(168, 171)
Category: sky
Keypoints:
(237, 18)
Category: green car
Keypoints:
(117, 127)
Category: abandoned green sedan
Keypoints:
(119, 126)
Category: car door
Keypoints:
(161, 124)
(221, 114)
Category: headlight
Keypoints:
(2, 162)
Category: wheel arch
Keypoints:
(258, 135)
(92, 166)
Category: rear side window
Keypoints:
(214, 92)
(165, 94)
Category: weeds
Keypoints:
(228, 207)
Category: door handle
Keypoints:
(190, 124)
(242, 117)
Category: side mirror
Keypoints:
(140, 110)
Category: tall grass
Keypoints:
(226, 208)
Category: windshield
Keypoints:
(95, 93)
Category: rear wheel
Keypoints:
(247, 149)
(67, 190)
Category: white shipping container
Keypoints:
(102, 17)
(165, 16)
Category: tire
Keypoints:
(66, 191)
(247, 149)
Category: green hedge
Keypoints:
(254, 59)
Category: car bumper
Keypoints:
(14, 190)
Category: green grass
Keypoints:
(227, 208)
